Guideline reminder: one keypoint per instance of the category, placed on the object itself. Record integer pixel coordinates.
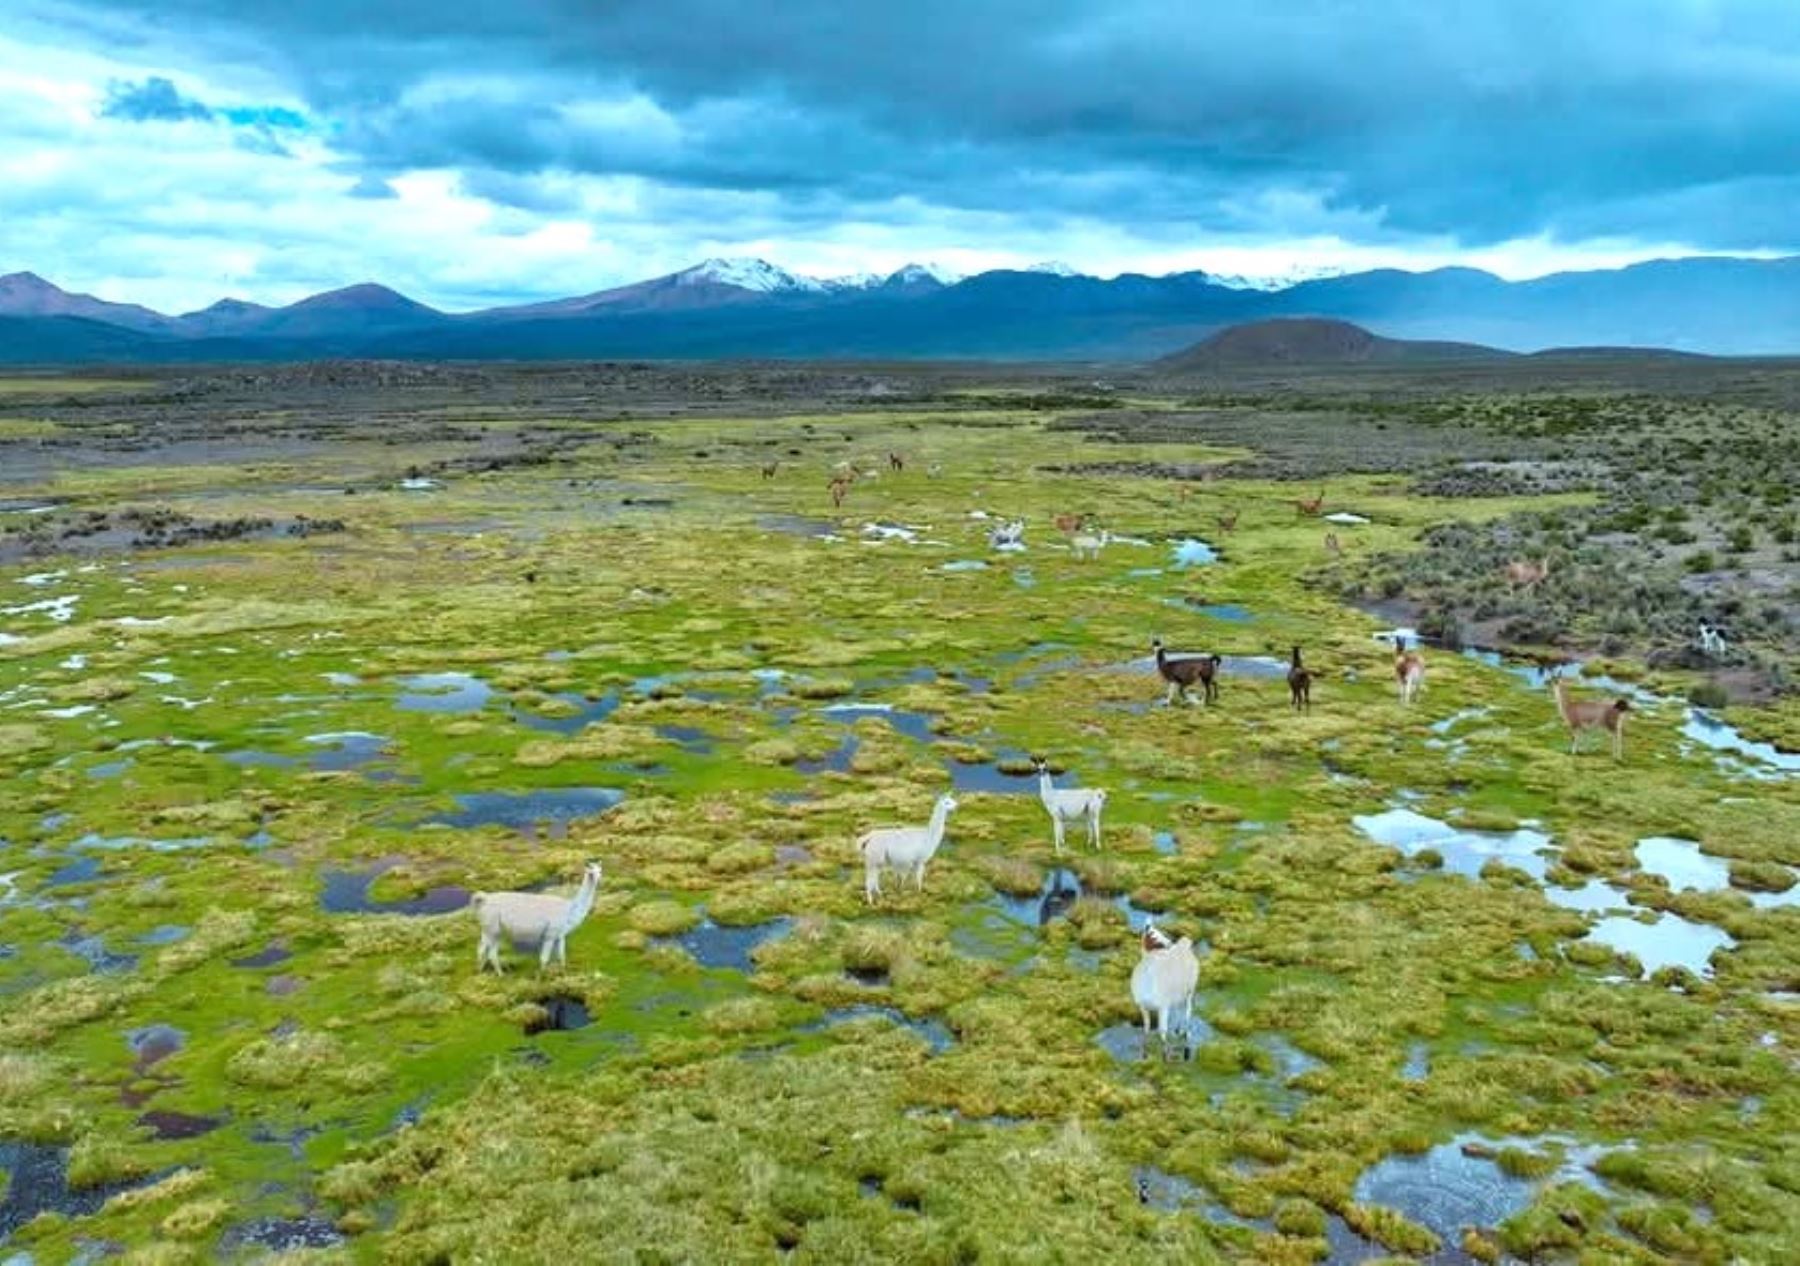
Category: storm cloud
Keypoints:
(1465, 124)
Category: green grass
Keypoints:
(713, 1114)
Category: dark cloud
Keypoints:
(154, 98)
(1479, 120)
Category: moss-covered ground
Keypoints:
(223, 769)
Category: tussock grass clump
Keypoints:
(1391, 1229)
(217, 932)
(303, 1057)
(661, 917)
(180, 1183)
(1761, 876)
(195, 1218)
(742, 1015)
(98, 1159)
(1014, 876)
(823, 688)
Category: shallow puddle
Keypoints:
(1464, 852)
(1171, 1193)
(715, 945)
(1191, 552)
(37, 1181)
(443, 692)
(914, 725)
(164, 1124)
(936, 1033)
(1670, 941)
(525, 811)
(282, 1235)
(1592, 897)
(1765, 759)
(347, 892)
(152, 1044)
(584, 712)
(1458, 1184)
(562, 1013)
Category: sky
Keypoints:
(481, 152)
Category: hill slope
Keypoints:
(1314, 341)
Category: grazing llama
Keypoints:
(1311, 508)
(839, 489)
(896, 462)
(1228, 522)
(1163, 984)
(1088, 546)
(1524, 574)
(1070, 805)
(1409, 671)
(532, 916)
(769, 469)
(1184, 671)
(1300, 681)
(903, 848)
(1712, 642)
(1591, 714)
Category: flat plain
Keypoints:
(294, 660)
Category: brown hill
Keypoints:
(1313, 341)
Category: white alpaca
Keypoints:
(532, 916)
(1070, 806)
(1163, 982)
(1088, 546)
(1712, 642)
(903, 848)
(1008, 536)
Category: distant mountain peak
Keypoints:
(1053, 267)
(23, 281)
(1282, 280)
(366, 295)
(923, 274)
(746, 274)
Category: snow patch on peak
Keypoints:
(912, 274)
(1275, 281)
(1054, 267)
(746, 274)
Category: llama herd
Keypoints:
(1166, 975)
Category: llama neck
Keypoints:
(579, 906)
(1046, 788)
(934, 830)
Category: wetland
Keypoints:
(294, 663)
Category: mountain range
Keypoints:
(751, 308)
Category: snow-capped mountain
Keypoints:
(747, 274)
(1282, 280)
(1054, 267)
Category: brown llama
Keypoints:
(1591, 714)
(1311, 507)
(1300, 681)
(769, 469)
(1229, 522)
(1333, 546)
(1525, 574)
(896, 461)
(1409, 672)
